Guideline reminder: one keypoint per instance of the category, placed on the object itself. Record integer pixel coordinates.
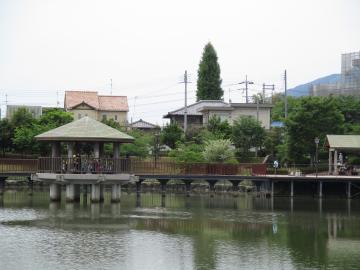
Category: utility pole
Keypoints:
(57, 99)
(268, 87)
(257, 108)
(185, 112)
(111, 86)
(246, 82)
(285, 86)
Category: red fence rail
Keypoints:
(18, 165)
(144, 167)
(152, 167)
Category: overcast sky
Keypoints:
(47, 47)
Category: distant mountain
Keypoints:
(303, 89)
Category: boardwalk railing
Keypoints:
(150, 167)
(144, 167)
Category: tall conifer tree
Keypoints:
(209, 81)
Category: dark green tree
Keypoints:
(188, 152)
(171, 134)
(220, 129)
(55, 118)
(313, 117)
(209, 81)
(247, 133)
(142, 144)
(26, 128)
(6, 135)
(22, 117)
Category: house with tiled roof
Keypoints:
(98, 107)
(144, 126)
(199, 113)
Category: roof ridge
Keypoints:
(110, 96)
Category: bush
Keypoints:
(219, 151)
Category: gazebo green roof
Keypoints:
(85, 129)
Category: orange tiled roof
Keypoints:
(92, 99)
(113, 103)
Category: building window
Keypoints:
(115, 117)
(79, 115)
(104, 117)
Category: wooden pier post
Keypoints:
(348, 190)
(95, 193)
(55, 192)
(320, 189)
(2, 185)
(115, 193)
(72, 193)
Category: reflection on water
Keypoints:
(178, 232)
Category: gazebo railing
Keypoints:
(83, 165)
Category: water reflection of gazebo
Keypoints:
(74, 169)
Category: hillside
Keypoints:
(303, 89)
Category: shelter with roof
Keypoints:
(339, 144)
(199, 113)
(74, 170)
(98, 107)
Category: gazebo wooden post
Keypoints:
(96, 150)
(335, 161)
(330, 161)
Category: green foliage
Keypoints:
(247, 133)
(220, 129)
(190, 152)
(6, 135)
(209, 81)
(55, 118)
(278, 111)
(112, 123)
(26, 127)
(171, 135)
(22, 117)
(25, 142)
(313, 117)
(218, 151)
(274, 138)
(141, 146)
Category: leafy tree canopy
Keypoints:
(189, 152)
(218, 128)
(314, 117)
(171, 135)
(247, 133)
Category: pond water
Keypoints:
(177, 232)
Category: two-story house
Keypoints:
(98, 107)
